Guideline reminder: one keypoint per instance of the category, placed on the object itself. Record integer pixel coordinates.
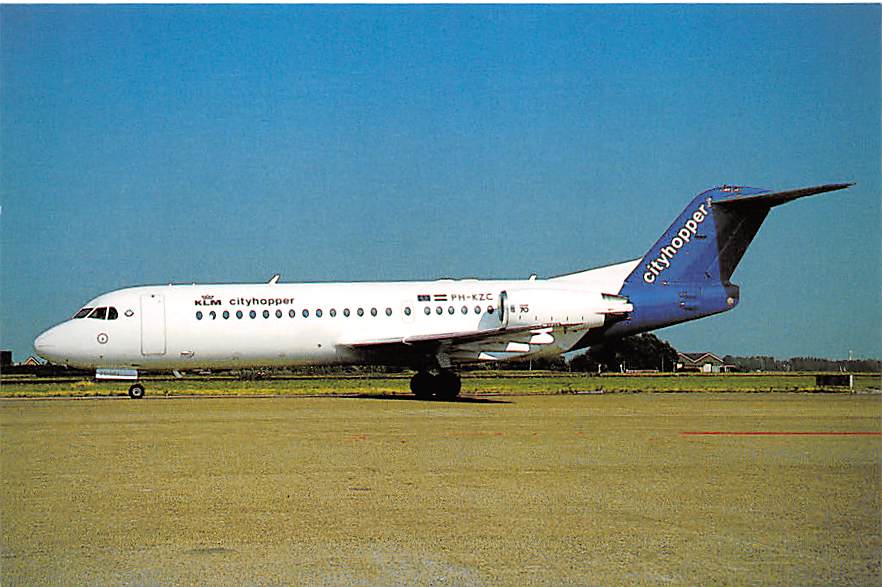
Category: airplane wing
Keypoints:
(473, 346)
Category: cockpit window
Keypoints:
(104, 313)
(99, 313)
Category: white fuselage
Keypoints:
(274, 324)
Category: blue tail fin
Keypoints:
(685, 275)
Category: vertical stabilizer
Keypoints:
(686, 274)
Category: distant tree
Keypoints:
(756, 363)
(821, 364)
(585, 363)
(863, 365)
(812, 364)
(644, 351)
(765, 363)
(556, 363)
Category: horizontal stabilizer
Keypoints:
(775, 198)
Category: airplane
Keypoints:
(432, 327)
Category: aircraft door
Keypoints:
(152, 324)
(503, 309)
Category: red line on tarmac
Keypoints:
(761, 433)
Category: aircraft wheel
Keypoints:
(422, 384)
(136, 391)
(448, 385)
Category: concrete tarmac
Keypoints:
(551, 490)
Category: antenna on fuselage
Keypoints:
(275, 278)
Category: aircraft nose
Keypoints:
(45, 343)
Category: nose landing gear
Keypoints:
(444, 385)
(136, 391)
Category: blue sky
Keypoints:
(227, 143)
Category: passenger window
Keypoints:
(213, 314)
(489, 309)
(450, 310)
(428, 310)
(266, 313)
(439, 310)
(278, 313)
(407, 310)
(388, 311)
(360, 312)
(253, 314)
(318, 313)
(83, 313)
(477, 309)
(199, 315)
(292, 313)
(305, 313)
(112, 313)
(346, 312)
(99, 313)
(465, 310)
(226, 315)
(373, 311)
(332, 312)
(239, 314)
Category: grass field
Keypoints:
(474, 383)
(593, 489)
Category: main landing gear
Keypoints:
(443, 385)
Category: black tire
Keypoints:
(136, 391)
(447, 385)
(422, 385)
